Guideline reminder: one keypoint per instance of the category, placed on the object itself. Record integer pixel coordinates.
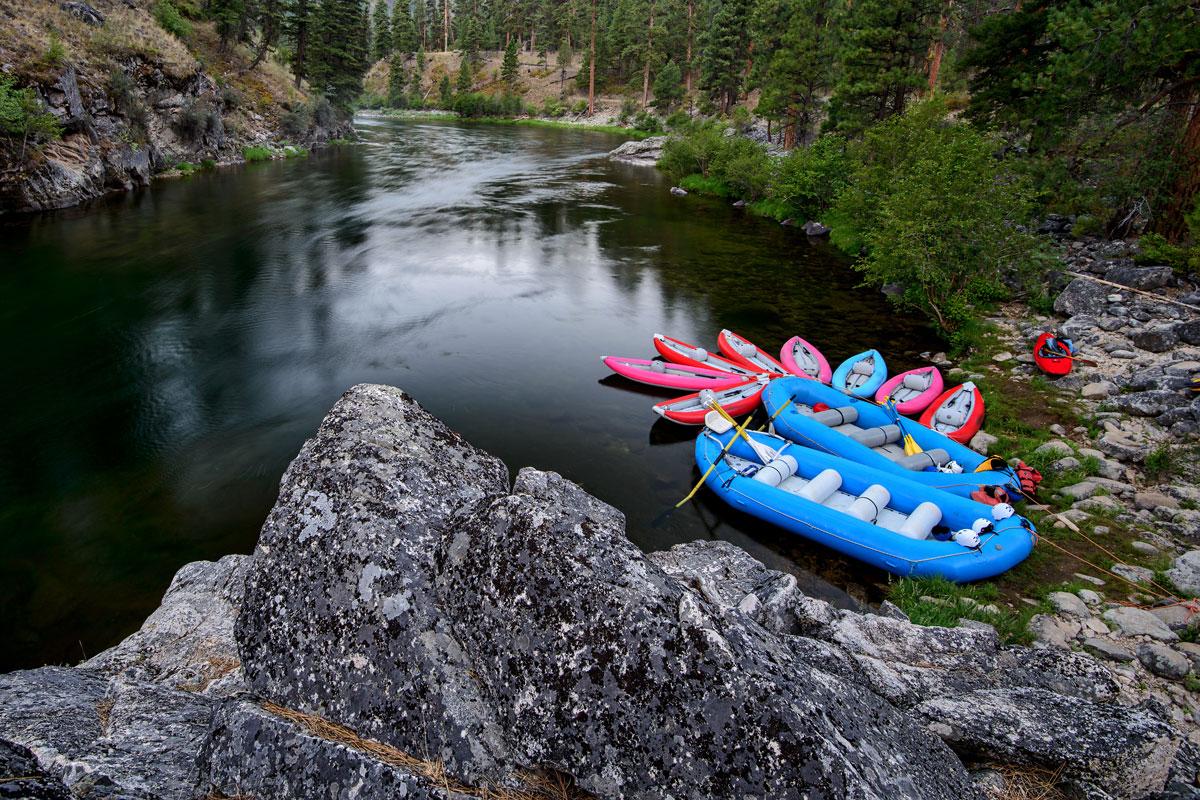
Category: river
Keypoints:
(168, 351)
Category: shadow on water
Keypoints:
(168, 352)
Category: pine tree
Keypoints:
(269, 18)
(882, 57)
(563, 61)
(418, 95)
(381, 31)
(465, 76)
(724, 45)
(404, 31)
(230, 16)
(339, 50)
(445, 93)
(794, 71)
(397, 81)
(668, 87)
(297, 20)
(420, 21)
(510, 69)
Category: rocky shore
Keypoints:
(134, 102)
(412, 624)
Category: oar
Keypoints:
(911, 448)
(739, 430)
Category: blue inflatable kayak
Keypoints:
(861, 375)
(868, 434)
(881, 518)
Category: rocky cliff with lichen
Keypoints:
(132, 101)
(413, 624)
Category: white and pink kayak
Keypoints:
(742, 351)
(912, 391)
(802, 359)
(684, 353)
(670, 375)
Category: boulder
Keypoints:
(675, 190)
(21, 776)
(1081, 296)
(813, 228)
(1140, 277)
(1054, 631)
(341, 616)
(1163, 661)
(1107, 648)
(1132, 572)
(1070, 604)
(1189, 332)
(587, 647)
(83, 11)
(1151, 500)
(1148, 404)
(645, 152)
(1185, 573)
(188, 641)
(1114, 752)
(1054, 447)
(1098, 390)
(983, 442)
(1080, 491)
(1154, 340)
(1139, 622)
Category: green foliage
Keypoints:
(796, 69)
(404, 33)
(445, 93)
(553, 107)
(937, 212)
(338, 57)
(1161, 463)
(882, 55)
(678, 120)
(692, 151)
(22, 115)
(397, 82)
(809, 178)
(199, 118)
(724, 42)
(381, 31)
(56, 54)
(466, 77)
(171, 20)
(668, 87)
(647, 123)
(731, 165)
(510, 68)
(475, 105)
(255, 153)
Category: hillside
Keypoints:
(132, 100)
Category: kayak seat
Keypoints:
(918, 382)
(864, 367)
(925, 459)
(951, 417)
(877, 437)
(833, 417)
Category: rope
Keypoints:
(1157, 297)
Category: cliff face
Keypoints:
(412, 625)
(134, 100)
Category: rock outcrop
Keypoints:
(643, 153)
(412, 625)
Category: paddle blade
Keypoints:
(911, 448)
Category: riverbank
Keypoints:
(461, 636)
(126, 101)
(576, 124)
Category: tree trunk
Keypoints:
(298, 65)
(939, 47)
(691, 11)
(592, 66)
(446, 24)
(1187, 157)
(646, 67)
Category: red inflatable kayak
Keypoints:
(957, 413)
(1052, 356)
(736, 400)
(684, 353)
(745, 352)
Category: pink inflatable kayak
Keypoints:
(670, 375)
(913, 391)
(684, 353)
(801, 358)
(742, 351)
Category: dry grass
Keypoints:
(104, 708)
(1029, 783)
(545, 785)
(214, 669)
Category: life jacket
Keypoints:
(1028, 477)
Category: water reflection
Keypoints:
(169, 351)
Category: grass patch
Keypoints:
(535, 122)
(942, 603)
(257, 153)
(1161, 463)
(699, 184)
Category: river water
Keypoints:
(167, 352)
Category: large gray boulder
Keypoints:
(601, 664)
(1105, 750)
(1185, 573)
(1140, 277)
(341, 615)
(643, 153)
(1081, 296)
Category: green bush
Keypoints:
(678, 120)
(580, 106)
(199, 118)
(809, 178)
(743, 165)
(22, 115)
(55, 54)
(553, 108)
(208, 164)
(475, 105)
(938, 213)
(739, 166)
(629, 107)
(647, 123)
(295, 123)
(256, 153)
(171, 20)
(692, 151)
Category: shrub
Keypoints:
(171, 20)
(629, 107)
(553, 108)
(55, 54)
(647, 123)
(199, 118)
(323, 113)
(256, 153)
(743, 165)
(22, 115)
(295, 123)
(741, 119)
(937, 212)
(809, 178)
(208, 164)
(691, 152)
(677, 120)
(580, 106)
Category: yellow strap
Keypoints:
(725, 449)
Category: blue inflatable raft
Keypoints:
(868, 434)
(881, 518)
(861, 375)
